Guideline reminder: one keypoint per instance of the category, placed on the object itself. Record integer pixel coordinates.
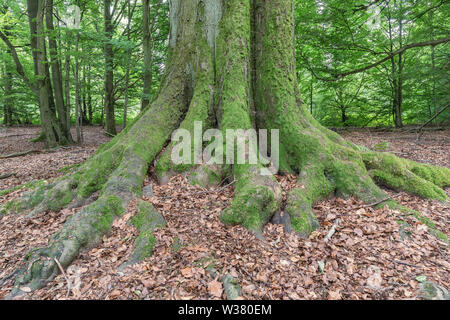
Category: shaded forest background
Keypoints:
(359, 63)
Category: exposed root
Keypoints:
(256, 199)
(208, 175)
(145, 221)
(401, 174)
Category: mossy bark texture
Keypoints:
(231, 65)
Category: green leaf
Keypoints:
(421, 278)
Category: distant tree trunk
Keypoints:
(56, 72)
(127, 75)
(89, 95)
(8, 84)
(433, 70)
(344, 117)
(399, 122)
(78, 121)
(7, 101)
(84, 109)
(311, 88)
(396, 90)
(67, 78)
(147, 46)
(50, 125)
(109, 72)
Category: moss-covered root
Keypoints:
(419, 216)
(401, 174)
(82, 229)
(257, 198)
(146, 221)
(208, 175)
(46, 197)
(313, 185)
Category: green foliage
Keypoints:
(336, 36)
(90, 56)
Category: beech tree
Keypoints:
(230, 65)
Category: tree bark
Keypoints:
(56, 72)
(50, 125)
(7, 98)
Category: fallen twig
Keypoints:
(372, 204)
(332, 230)
(65, 276)
(19, 154)
(7, 175)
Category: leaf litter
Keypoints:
(373, 254)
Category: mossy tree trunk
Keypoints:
(231, 66)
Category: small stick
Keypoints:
(372, 204)
(65, 276)
(332, 230)
(7, 175)
(405, 263)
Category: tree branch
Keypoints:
(337, 76)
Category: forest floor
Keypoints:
(370, 256)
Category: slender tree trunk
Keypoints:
(89, 95)
(109, 72)
(67, 79)
(399, 122)
(127, 75)
(7, 98)
(311, 88)
(8, 87)
(147, 46)
(78, 117)
(56, 72)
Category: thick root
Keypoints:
(424, 180)
(208, 175)
(145, 221)
(256, 199)
(314, 185)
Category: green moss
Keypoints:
(111, 207)
(382, 146)
(402, 174)
(145, 221)
(251, 207)
(31, 185)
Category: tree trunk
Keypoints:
(7, 98)
(109, 72)
(213, 48)
(50, 125)
(67, 79)
(56, 72)
(147, 46)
